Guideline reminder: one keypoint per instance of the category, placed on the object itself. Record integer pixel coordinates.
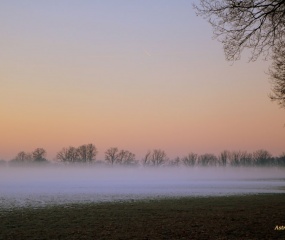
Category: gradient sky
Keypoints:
(132, 74)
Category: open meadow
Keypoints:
(232, 217)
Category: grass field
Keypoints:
(234, 217)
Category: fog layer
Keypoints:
(41, 186)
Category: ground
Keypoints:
(233, 217)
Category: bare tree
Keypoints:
(207, 160)
(72, 154)
(235, 158)
(82, 153)
(258, 25)
(87, 153)
(224, 158)
(23, 157)
(255, 24)
(246, 159)
(262, 158)
(158, 157)
(62, 155)
(111, 155)
(280, 161)
(277, 75)
(38, 155)
(69, 154)
(155, 158)
(190, 160)
(126, 158)
(91, 152)
(120, 157)
(146, 159)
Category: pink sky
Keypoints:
(137, 76)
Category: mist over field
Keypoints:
(41, 186)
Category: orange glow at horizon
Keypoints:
(119, 79)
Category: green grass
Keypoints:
(234, 217)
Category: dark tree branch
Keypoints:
(258, 25)
(252, 24)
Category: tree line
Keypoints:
(87, 153)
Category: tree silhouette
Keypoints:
(155, 158)
(146, 159)
(38, 155)
(126, 158)
(224, 158)
(23, 157)
(239, 158)
(84, 154)
(207, 159)
(262, 158)
(111, 155)
(190, 160)
(87, 153)
(280, 161)
(114, 156)
(258, 25)
(277, 75)
(255, 24)
(69, 154)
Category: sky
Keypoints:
(137, 75)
